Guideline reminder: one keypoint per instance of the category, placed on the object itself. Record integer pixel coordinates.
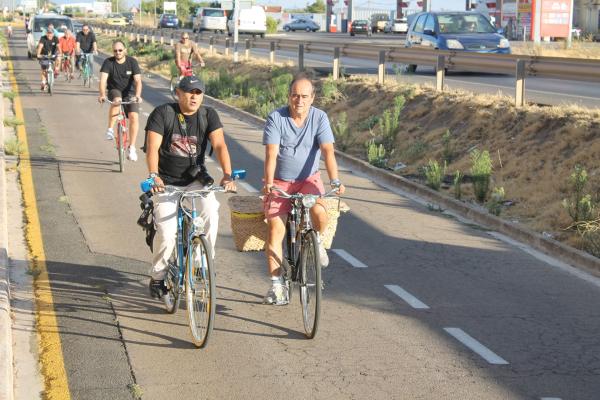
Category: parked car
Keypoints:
(462, 31)
(360, 26)
(398, 25)
(168, 21)
(252, 21)
(129, 16)
(210, 19)
(37, 27)
(115, 19)
(378, 22)
(301, 24)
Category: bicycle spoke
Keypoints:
(200, 291)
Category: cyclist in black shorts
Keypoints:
(86, 43)
(121, 76)
(48, 47)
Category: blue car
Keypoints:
(461, 31)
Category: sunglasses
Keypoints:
(185, 38)
(118, 50)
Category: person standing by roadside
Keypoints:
(121, 76)
(295, 136)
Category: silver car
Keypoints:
(301, 24)
(398, 25)
(37, 28)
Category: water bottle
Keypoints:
(147, 185)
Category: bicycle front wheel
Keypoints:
(200, 290)
(120, 147)
(171, 298)
(310, 284)
(172, 86)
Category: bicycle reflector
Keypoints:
(309, 201)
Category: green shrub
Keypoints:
(340, 129)
(12, 147)
(12, 122)
(494, 205)
(448, 149)
(579, 205)
(434, 174)
(9, 95)
(332, 90)
(376, 154)
(368, 123)
(456, 183)
(272, 24)
(481, 172)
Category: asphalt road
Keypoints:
(443, 309)
(538, 90)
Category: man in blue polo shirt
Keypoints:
(295, 136)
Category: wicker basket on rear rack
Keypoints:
(249, 227)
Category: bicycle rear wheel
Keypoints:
(310, 284)
(120, 147)
(50, 81)
(200, 290)
(171, 298)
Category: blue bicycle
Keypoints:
(191, 266)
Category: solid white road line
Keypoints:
(550, 398)
(407, 297)
(477, 347)
(349, 258)
(247, 187)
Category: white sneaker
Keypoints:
(132, 154)
(277, 295)
(323, 257)
(110, 134)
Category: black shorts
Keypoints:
(114, 93)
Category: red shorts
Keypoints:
(275, 206)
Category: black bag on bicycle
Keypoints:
(146, 219)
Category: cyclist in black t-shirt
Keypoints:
(177, 135)
(48, 47)
(122, 77)
(86, 43)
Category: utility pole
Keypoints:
(236, 16)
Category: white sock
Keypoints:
(276, 281)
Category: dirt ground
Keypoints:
(534, 149)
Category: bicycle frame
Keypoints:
(86, 68)
(121, 139)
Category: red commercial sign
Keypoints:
(556, 15)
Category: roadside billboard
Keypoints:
(556, 17)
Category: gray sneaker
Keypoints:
(323, 257)
(277, 295)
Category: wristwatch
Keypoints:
(335, 182)
(153, 175)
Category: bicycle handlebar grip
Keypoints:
(147, 185)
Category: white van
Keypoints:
(37, 28)
(252, 21)
(210, 19)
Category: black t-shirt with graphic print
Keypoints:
(120, 76)
(179, 151)
(49, 46)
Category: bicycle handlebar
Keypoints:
(116, 103)
(286, 195)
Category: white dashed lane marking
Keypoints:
(477, 347)
(407, 297)
(349, 258)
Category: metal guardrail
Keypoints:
(519, 66)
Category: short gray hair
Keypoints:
(301, 77)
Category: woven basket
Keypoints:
(250, 229)
(248, 223)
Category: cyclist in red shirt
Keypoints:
(67, 47)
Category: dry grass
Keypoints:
(578, 49)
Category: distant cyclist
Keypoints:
(295, 136)
(86, 43)
(67, 48)
(121, 76)
(185, 51)
(9, 30)
(48, 47)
